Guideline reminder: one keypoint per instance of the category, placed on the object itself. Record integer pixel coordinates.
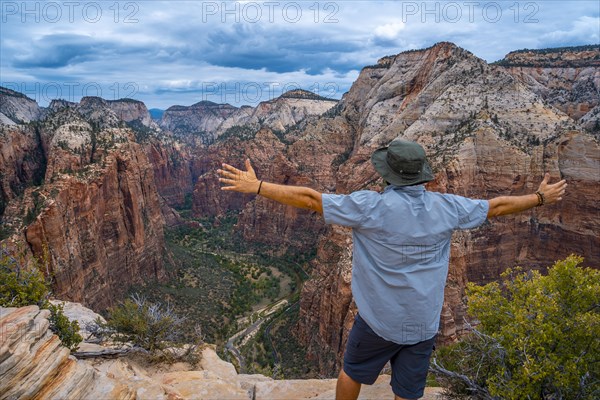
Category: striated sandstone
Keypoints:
(35, 365)
(174, 175)
(22, 162)
(103, 233)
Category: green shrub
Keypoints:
(151, 326)
(67, 331)
(21, 286)
(24, 286)
(538, 337)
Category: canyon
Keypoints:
(92, 185)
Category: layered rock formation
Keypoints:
(208, 120)
(102, 233)
(33, 364)
(22, 162)
(16, 108)
(567, 78)
(198, 119)
(88, 200)
(132, 111)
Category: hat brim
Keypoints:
(379, 160)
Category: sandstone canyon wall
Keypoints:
(79, 190)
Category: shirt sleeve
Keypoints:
(349, 210)
(471, 213)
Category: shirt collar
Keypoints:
(416, 189)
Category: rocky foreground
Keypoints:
(34, 365)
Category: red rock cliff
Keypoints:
(96, 210)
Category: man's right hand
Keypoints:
(238, 180)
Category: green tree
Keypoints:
(538, 337)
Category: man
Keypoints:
(400, 259)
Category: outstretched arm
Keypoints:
(246, 182)
(551, 193)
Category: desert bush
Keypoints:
(66, 330)
(24, 285)
(21, 286)
(537, 337)
(151, 326)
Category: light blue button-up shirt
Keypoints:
(401, 252)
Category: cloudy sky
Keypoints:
(182, 52)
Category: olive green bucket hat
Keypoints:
(402, 163)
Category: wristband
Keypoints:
(541, 199)
(259, 186)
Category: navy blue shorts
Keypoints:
(367, 353)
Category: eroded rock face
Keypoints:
(103, 233)
(174, 174)
(202, 119)
(94, 212)
(208, 120)
(130, 110)
(16, 108)
(567, 78)
(34, 364)
(486, 134)
(22, 162)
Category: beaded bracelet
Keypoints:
(541, 199)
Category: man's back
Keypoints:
(401, 251)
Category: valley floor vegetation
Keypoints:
(223, 286)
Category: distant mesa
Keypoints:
(304, 94)
(126, 100)
(8, 92)
(575, 56)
